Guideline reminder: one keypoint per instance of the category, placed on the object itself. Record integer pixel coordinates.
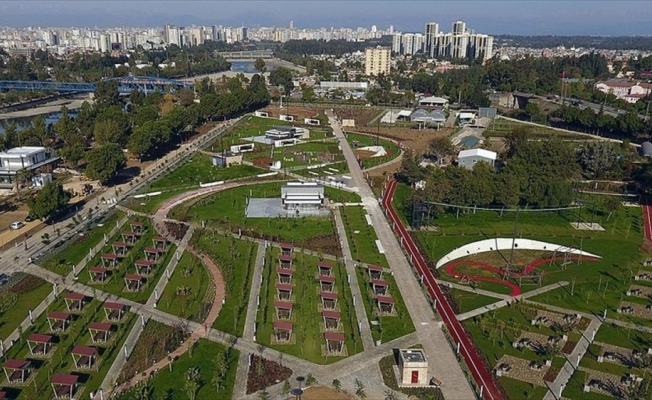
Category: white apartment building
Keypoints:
(377, 61)
(630, 91)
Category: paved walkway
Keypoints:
(442, 362)
(365, 333)
(248, 333)
(572, 361)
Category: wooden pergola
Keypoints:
(109, 260)
(16, 371)
(99, 332)
(380, 287)
(285, 275)
(324, 268)
(160, 243)
(284, 291)
(58, 321)
(83, 356)
(130, 237)
(120, 249)
(152, 253)
(375, 272)
(39, 344)
(114, 311)
(285, 262)
(283, 309)
(286, 249)
(328, 300)
(282, 331)
(327, 284)
(98, 274)
(137, 227)
(334, 342)
(133, 282)
(74, 301)
(143, 267)
(385, 304)
(331, 320)
(64, 385)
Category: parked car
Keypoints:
(30, 218)
(16, 225)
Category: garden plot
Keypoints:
(527, 371)
(640, 291)
(635, 310)
(604, 382)
(538, 342)
(557, 322)
(618, 355)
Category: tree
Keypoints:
(104, 162)
(192, 382)
(359, 389)
(308, 94)
(259, 65)
(107, 131)
(441, 147)
(65, 126)
(533, 111)
(49, 201)
(285, 390)
(219, 372)
(282, 77)
(337, 385)
(73, 151)
(410, 171)
(186, 97)
(106, 94)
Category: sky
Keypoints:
(519, 17)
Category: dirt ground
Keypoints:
(325, 393)
(299, 112)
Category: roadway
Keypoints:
(439, 353)
(596, 107)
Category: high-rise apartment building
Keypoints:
(377, 61)
(432, 34)
(459, 43)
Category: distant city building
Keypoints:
(377, 61)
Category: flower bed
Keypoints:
(264, 373)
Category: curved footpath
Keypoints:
(480, 374)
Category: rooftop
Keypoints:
(64, 379)
(21, 151)
(478, 153)
(39, 338)
(114, 306)
(334, 336)
(413, 355)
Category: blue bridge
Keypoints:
(126, 84)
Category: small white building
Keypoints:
(302, 195)
(433, 101)
(468, 158)
(287, 132)
(413, 367)
(21, 158)
(226, 160)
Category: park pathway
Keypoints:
(556, 388)
(442, 362)
(363, 321)
(240, 387)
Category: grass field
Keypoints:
(115, 283)
(324, 172)
(29, 294)
(467, 301)
(199, 169)
(60, 360)
(499, 127)
(384, 328)
(307, 337)
(362, 237)
(358, 140)
(235, 259)
(311, 153)
(73, 252)
(190, 290)
(575, 389)
(170, 384)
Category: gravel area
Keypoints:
(521, 370)
(616, 354)
(603, 382)
(636, 310)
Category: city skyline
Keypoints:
(518, 17)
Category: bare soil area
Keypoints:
(299, 112)
(325, 393)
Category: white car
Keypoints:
(16, 225)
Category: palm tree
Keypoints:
(191, 385)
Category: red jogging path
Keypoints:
(647, 221)
(480, 374)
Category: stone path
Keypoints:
(363, 321)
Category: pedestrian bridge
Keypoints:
(126, 84)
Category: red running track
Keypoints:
(473, 361)
(647, 221)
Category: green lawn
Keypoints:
(151, 204)
(357, 140)
(383, 327)
(116, 283)
(73, 252)
(623, 337)
(60, 360)
(500, 127)
(171, 384)
(575, 389)
(361, 236)
(307, 338)
(517, 390)
(235, 259)
(29, 293)
(226, 210)
(311, 153)
(324, 172)
(467, 301)
(200, 170)
(190, 291)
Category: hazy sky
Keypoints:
(555, 17)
